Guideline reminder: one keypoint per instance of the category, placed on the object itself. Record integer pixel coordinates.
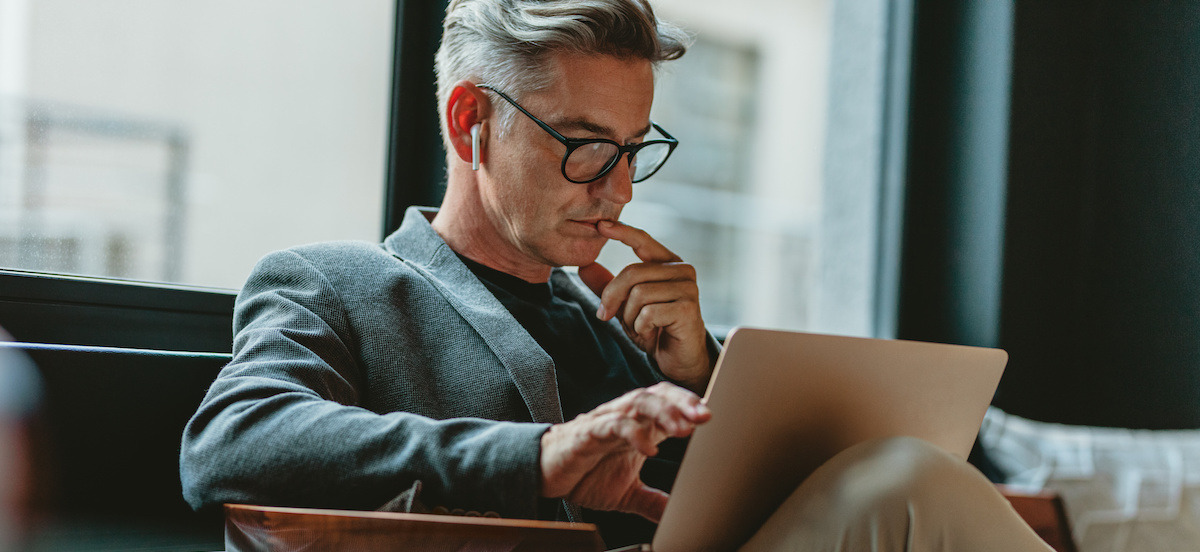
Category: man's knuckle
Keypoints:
(640, 323)
(611, 293)
(638, 272)
(681, 270)
(637, 294)
(657, 313)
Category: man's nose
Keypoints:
(617, 185)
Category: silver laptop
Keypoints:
(783, 403)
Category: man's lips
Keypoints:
(590, 222)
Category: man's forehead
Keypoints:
(591, 127)
(600, 94)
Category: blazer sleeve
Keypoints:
(280, 425)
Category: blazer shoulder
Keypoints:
(345, 257)
(341, 250)
(341, 264)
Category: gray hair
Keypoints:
(507, 43)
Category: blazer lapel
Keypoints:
(527, 363)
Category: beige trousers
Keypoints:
(899, 494)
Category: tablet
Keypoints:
(783, 403)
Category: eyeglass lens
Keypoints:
(590, 160)
(648, 160)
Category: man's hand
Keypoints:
(657, 301)
(594, 460)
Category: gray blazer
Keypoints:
(361, 368)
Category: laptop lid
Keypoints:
(784, 403)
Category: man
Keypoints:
(457, 364)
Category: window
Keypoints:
(178, 141)
(173, 141)
(781, 236)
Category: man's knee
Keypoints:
(896, 475)
(862, 499)
(895, 494)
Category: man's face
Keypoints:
(544, 217)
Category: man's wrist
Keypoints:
(704, 371)
(549, 458)
(697, 386)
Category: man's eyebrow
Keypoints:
(565, 125)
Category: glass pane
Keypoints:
(744, 197)
(179, 141)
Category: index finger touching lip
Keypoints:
(645, 247)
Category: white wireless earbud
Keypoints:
(475, 146)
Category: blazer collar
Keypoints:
(531, 369)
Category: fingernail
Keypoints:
(601, 313)
(604, 224)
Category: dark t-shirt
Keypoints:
(591, 371)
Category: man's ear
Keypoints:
(466, 107)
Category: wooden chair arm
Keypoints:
(1044, 512)
(260, 528)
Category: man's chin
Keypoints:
(584, 253)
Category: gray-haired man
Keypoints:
(459, 354)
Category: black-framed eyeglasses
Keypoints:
(588, 160)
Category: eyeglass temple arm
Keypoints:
(539, 122)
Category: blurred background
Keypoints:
(179, 142)
(1012, 173)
